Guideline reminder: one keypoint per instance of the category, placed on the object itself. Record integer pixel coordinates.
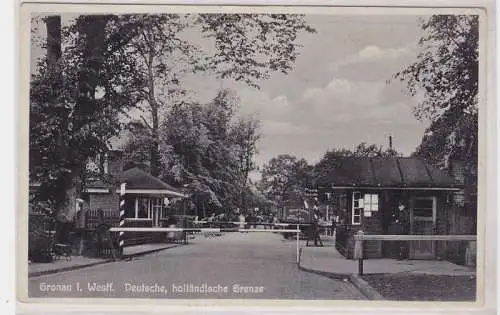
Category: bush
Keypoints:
(40, 242)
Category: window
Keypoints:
(357, 208)
(423, 208)
(371, 202)
(143, 209)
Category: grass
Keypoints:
(405, 287)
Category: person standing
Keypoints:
(402, 221)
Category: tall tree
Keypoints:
(248, 47)
(285, 178)
(157, 51)
(446, 73)
(245, 137)
(75, 102)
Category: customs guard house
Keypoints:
(146, 198)
(367, 193)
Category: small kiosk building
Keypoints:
(368, 193)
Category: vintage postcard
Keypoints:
(291, 154)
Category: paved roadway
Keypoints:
(234, 265)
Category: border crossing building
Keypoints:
(368, 193)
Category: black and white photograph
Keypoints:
(254, 155)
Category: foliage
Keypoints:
(446, 72)
(325, 165)
(76, 100)
(111, 63)
(285, 178)
(255, 46)
(155, 55)
(245, 137)
(249, 47)
(206, 149)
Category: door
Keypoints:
(156, 211)
(423, 222)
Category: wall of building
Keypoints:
(369, 225)
(373, 225)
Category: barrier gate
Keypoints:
(297, 230)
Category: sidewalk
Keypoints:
(391, 279)
(77, 262)
(328, 260)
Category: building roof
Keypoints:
(138, 180)
(382, 172)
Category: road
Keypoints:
(234, 265)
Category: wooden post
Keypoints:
(298, 238)
(136, 207)
(358, 250)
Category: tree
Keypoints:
(155, 52)
(285, 178)
(204, 148)
(248, 47)
(328, 161)
(446, 73)
(75, 102)
(245, 137)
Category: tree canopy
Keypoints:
(100, 66)
(446, 75)
(285, 178)
(363, 149)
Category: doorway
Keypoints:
(423, 222)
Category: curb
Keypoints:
(365, 288)
(331, 275)
(70, 268)
(147, 252)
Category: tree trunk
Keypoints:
(154, 163)
(66, 203)
(155, 170)
(92, 28)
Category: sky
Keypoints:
(337, 95)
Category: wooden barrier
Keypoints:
(360, 236)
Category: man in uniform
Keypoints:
(402, 219)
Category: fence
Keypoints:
(360, 237)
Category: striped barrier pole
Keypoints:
(121, 241)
